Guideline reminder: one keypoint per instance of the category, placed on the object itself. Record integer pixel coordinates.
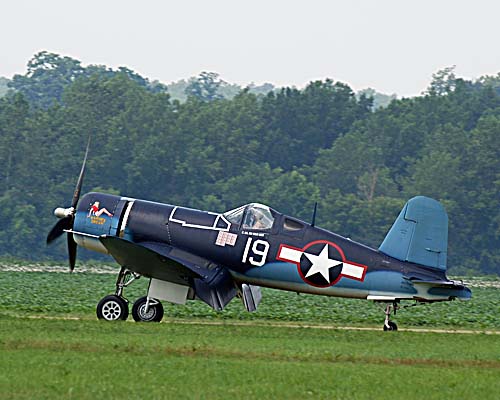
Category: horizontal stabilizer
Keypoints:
(450, 289)
(454, 284)
(419, 234)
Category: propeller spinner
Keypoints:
(67, 216)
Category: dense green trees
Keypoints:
(4, 88)
(288, 149)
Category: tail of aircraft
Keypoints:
(419, 234)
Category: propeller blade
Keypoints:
(58, 229)
(71, 252)
(79, 183)
(66, 222)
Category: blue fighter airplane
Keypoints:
(189, 254)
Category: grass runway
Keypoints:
(47, 359)
(89, 359)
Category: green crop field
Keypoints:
(44, 355)
(76, 295)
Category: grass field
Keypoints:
(59, 358)
(47, 359)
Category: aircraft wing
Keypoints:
(212, 283)
(150, 259)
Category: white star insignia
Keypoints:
(321, 263)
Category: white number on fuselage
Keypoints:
(258, 252)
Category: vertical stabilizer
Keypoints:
(419, 234)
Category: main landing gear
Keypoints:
(112, 308)
(147, 310)
(115, 307)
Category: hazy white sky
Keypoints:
(393, 46)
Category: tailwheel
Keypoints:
(112, 308)
(391, 326)
(388, 324)
(147, 310)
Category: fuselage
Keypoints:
(284, 253)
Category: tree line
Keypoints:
(287, 148)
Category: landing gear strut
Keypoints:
(115, 307)
(125, 278)
(388, 324)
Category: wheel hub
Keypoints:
(147, 315)
(111, 310)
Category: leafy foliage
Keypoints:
(205, 87)
(4, 88)
(49, 74)
(287, 148)
(179, 90)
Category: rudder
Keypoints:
(419, 234)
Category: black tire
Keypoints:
(392, 326)
(112, 308)
(154, 314)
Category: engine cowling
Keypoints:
(98, 214)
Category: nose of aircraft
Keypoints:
(67, 216)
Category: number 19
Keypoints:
(260, 248)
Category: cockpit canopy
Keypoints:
(254, 216)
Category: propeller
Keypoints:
(67, 216)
